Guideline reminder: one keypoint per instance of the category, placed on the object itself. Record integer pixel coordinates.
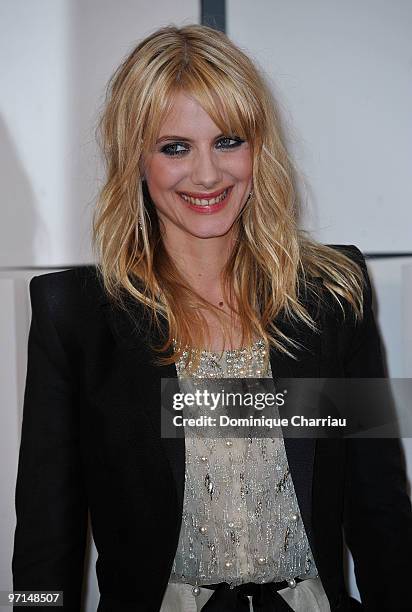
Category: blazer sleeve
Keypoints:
(377, 509)
(50, 498)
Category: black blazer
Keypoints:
(91, 440)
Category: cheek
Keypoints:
(241, 167)
(163, 174)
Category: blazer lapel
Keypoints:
(300, 451)
(131, 334)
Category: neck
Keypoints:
(201, 260)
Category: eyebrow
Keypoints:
(181, 138)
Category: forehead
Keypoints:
(186, 114)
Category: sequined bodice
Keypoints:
(241, 520)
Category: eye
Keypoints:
(171, 150)
(235, 140)
(227, 142)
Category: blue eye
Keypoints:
(172, 149)
(237, 141)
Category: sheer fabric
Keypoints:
(241, 521)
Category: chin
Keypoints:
(217, 232)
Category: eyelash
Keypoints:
(167, 148)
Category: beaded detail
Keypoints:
(241, 520)
(236, 363)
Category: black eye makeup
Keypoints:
(178, 149)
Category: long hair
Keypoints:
(272, 259)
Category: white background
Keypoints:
(342, 72)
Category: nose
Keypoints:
(206, 170)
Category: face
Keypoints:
(198, 178)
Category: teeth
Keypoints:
(204, 202)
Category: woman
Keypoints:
(202, 272)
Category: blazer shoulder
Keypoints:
(344, 313)
(67, 286)
(70, 297)
(358, 257)
(350, 250)
(69, 302)
(354, 253)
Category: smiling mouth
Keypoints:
(204, 201)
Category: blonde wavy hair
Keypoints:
(272, 259)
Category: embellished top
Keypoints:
(241, 521)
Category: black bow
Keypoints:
(265, 598)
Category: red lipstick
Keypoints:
(208, 209)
